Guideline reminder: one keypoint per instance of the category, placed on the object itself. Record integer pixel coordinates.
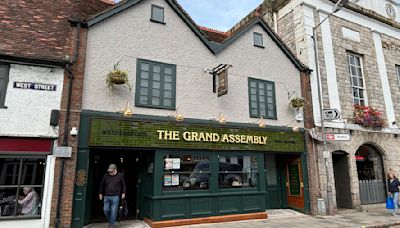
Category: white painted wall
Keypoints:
(379, 6)
(130, 35)
(44, 222)
(28, 111)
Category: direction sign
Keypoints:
(337, 137)
(331, 114)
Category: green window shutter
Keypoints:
(262, 101)
(155, 84)
(4, 74)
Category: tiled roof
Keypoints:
(215, 35)
(40, 28)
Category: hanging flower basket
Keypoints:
(117, 77)
(297, 102)
(368, 117)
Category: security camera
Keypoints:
(74, 131)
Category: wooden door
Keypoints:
(294, 183)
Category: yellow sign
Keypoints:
(193, 136)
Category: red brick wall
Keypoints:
(74, 119)
(40, 28)
(311, 157)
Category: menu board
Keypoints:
(294, 180)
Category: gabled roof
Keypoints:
(204, 36)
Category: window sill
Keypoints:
(156, 107)
(3, 107)
(17, 218)
(259, 46)
(159, 22)
(265, 118)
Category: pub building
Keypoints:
(202, 130)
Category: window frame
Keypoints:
(19, 185)
(262, 39)
(3, 92)
(250, 79)
(149, 95)
(152, 18)
(364, 88)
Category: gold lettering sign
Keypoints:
(193, 136)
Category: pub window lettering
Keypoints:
(262, 99)
(156, 82)
(21, 187)
(356, 79)
(4, 77)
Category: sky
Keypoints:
(218, 14)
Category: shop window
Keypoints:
(186, 172)
(4, 71)
(21, 187)
(157, 14)
(262, 99)
(258, 39)
(356, 78)
(238, 172)
(155, 84)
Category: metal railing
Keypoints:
(372, 191)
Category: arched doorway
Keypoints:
(371, 175)
(340, 163)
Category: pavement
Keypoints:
(289, 218)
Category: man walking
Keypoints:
(112, 186)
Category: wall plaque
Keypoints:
(80, 178)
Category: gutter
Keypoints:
(57, 221)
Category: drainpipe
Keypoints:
(57, 221)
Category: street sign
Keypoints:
(63, 151)
(337, 137)
(331, 114)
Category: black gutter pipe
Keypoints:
(57, 221)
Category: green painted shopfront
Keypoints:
(189, 169)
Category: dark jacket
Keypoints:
(394, 185)
(112, 185)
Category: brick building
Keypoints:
(358, 58)
(37, 63)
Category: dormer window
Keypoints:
(258, 39)
(157, 14)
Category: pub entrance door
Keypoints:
(294, 182)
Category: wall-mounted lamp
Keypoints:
(127, 112)
(261, 123)
(220, 118)
(178, 116)
(295, 129)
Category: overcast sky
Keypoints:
(218, 14)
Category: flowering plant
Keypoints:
(368, 117)
(297, 102)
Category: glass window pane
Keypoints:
(167, 94)
(355, 81)
(157, 13)
(168, 70)
(258, 40)
(253, 91)
(167, 102)
(238, 172)
(143, 100)
(156, 92)
(144, 75)
(156, 85)
(29, 201)
(8, 205)
(156, 76)
(156, 69)
(262, 105)
(360, 82)
(356, 101)
(167, 78)
(254, 112)
(168, 86)
(254, 104)
(144, 91)
(269, 93)
(144, 83)
(253, 97)
(253, 84)
(353, 70)
(144, 67)
(155, 101)
(9, 168)
(262, 99)
(270, 100)
(186, 172)
(261, 86)
(269, 86)
(357, 60)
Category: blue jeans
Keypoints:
(111, 208)
(395, 196)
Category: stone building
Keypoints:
(359, 64)
(201, 126)
(36, 60)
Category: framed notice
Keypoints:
(294, 179)
(168, 163)
(167, 180)
(176, 163)
(222, 82)
(175, 180)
